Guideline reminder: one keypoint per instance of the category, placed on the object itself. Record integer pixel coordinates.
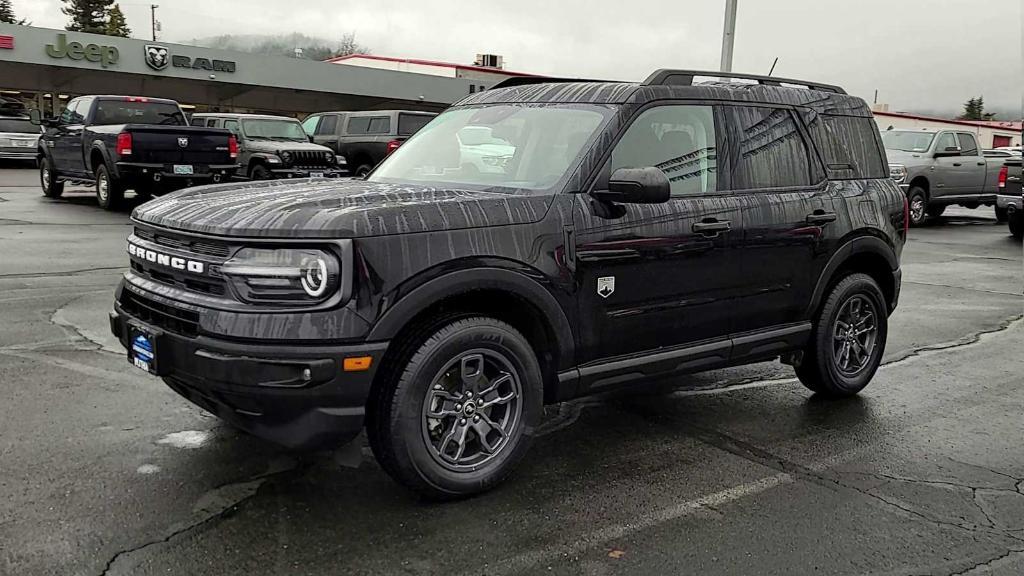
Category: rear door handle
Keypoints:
(981, 163)
(712, 227)
(821, 217)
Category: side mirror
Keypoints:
(35, 117)
(947, 151)
(636, 186)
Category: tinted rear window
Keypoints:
(126, 112)
(849, 145)
(18, 125)
(771, 151)
(409, 124)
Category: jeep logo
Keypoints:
(166, 260)
(105, 55)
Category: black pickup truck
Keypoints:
(128, 142)
(1009, 197)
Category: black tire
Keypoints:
(821, 370)
(52, 188)
(935, 211)
(260, 172)
(363, 170)
(109, 190)
(1000, 214)
(402, 435)
(918, 212)
(1017, 225)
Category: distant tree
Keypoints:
(87, 15)
(974, 109)
(116, 24)
(348, 45)
(7, 14)
(285, 45)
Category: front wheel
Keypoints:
(52, 188)
(260, 172)
(918, 202)
(460, 410)
(109, 190)
(848, 339)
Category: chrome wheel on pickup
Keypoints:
(918, 201)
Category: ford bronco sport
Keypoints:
(633, 230)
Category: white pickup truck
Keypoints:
(937, 168)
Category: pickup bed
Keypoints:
(937, 168)
(121, 142)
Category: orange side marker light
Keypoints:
(357, 363)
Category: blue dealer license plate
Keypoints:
(143, 349)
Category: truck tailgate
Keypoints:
(179, 144)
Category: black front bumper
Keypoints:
(306, 172)
(298, 396)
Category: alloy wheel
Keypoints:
(854, 335)
(472, 408)
(103, 187)
(917, 209)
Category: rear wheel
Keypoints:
(1000, 214)
(363, 170)
(109, 190)
(1017, 225)
(918, 201)
(848, 339)
(52, 188)
(460, 410)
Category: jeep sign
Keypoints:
(105, 55)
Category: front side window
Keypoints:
(273, 129)
(522, 146)
(968, 145)
(680, 140)
(771, 151)
(328, 125)
(947, 143)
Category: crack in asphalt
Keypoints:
(249, 486)
(936, 285)
(57, 274)
(988, 562)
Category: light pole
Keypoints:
(728, 36)
(152, 18)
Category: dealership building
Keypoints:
(990, 134)
(43, 68)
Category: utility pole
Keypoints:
(728, 36)
(152, 18)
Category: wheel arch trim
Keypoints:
(852, 247)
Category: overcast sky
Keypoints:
(922, 55)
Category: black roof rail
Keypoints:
(668, 77)
(527, 80)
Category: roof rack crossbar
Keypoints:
(527, 80)
(669, 77)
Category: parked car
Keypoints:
(1009, 197)
(119, 143)
(274, 146)
(639, 230)
(19, 138)
(937, 168)
(363, 139)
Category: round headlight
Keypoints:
(286, 157)
(329, 157)
(314, 276)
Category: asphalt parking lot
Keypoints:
(104, 470)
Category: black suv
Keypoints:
(363, 139)
(622, 231)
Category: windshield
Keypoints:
(272, 129)
(907, 140)
(18, 125)
(508, 145)
(138, 112)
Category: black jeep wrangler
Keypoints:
(620, 232)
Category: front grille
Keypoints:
(169, 318)
(205, 247)
(309, 159)
(212, 286)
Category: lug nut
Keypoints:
(463, 421)
(469, 394)
(476, 418)
(458, 406)
(437, 386)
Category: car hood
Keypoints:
(905, 158)
(335, 208)
(275, 145)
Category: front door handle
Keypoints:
(712, 227)
(981, 163)
(957, 164)
(821, 217)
